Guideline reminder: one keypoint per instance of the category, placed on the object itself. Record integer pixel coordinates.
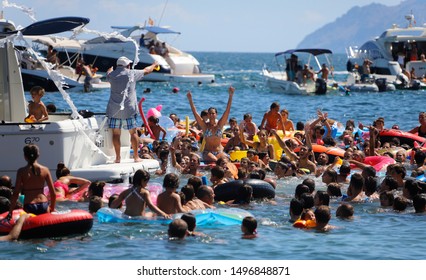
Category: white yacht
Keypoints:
(103, 51)
(397, 48)
(290, 63)
(84, 144)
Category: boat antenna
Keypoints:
(162, 13)
(411, 20)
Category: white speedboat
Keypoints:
(395, 50)
(289, 77)
(84, 144)
(103, 51)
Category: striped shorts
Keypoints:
(126, 124)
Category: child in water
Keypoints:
(248, 227)
(37, 111)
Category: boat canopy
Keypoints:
(55, 42)
(314, 52)
(153, 29)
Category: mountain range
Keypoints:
(361, 24)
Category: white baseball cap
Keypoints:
(123, 61)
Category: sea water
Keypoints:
(374, 233)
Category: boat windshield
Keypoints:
(403, 33)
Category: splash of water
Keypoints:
(28, 11)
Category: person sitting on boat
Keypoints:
(37, 111)
(30, 181)
(366, 71)
(66, 184)
(420, 130)
(137, 197)
(307, 73)
(324, 72)
(142, 41)
(212, 130)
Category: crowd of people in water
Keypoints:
(207, 152)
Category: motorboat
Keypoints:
(290, 77)
(33, 73)
(395, 54)
(82, 143)
(103, 51)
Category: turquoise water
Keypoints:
(374, 233)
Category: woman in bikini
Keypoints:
(212, 129)
(65, 181)
(262, 145)
(137, 197)
(30, 181)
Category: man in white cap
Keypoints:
(122, 106)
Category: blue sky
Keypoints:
(216, 25)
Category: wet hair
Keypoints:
(190, 220)
(188, 191)
(329, 141)
(310, 183)
(307, 200)
(322, 214)
(204, 113)
(250, 223)
(412, 187)
(369, 171)
(262, 174)
(345, 168)
(218, 172)
(203, 191)
(300, 126)
(387, 197)
(357, 181)
(31, 153)
(345, 211)
(254, 175)
(323, 197)
(95, 203)
(171, 180)
(96, 188)
(300, 189)
(5, 192)
(332, 173)
(212, 109)
(370, 185)
(400, 203)
(391, 182)
(112, 198)
(4, 204)
(195, 182)
(334, 190)
(419, 157)
(419, 203)
(244, 194)
(400, 169)
(177, 229)
(296, 206)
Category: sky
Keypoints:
(215, 25)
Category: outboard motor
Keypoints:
(415, 85)
(320, 86)
(381, 84)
